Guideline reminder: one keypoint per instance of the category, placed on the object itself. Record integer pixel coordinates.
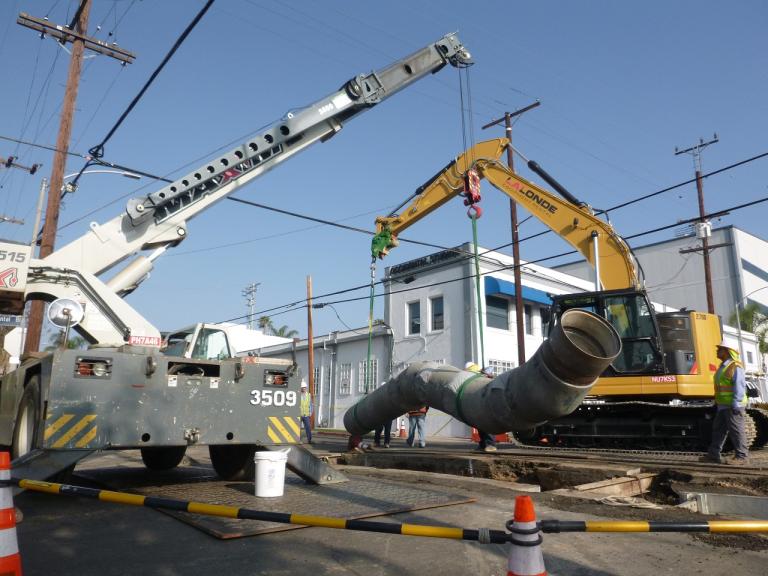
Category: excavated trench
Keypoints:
(560, 482)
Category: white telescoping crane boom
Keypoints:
(159, 220)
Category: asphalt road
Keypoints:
(66, 535)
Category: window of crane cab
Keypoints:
(177, 344)
(211, 344)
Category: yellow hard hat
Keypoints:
(471, 367)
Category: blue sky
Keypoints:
(621, 85)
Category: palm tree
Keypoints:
(73, 343)
(265, 323)
(285, 332)
(753, 319)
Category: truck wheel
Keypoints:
(233, 462)
(25, 429)
(162, 457)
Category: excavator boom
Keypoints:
(574, 222)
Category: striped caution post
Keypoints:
(10, 560)
(525, 555)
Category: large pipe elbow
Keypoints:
(551, 384)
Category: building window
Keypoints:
(497, 367)
(345, 379)
(414, 318)
(749, 357)
(546, 315)
(436, 307)
(366, 379)
(317, 371)
(497, 312)
(528, 315)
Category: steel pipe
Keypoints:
(551, 384)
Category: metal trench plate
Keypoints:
(358, 498)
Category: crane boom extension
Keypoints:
(159, 220)
(571, 220)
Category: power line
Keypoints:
(292, 305)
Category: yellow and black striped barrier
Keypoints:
(482, 535)
(713, 526)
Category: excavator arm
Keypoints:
(158, 221)
(573, 221)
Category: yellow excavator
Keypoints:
(658, 393)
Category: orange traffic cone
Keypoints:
(525, 555)
(10, 561)
(402, 429)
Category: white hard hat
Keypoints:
(725, 344)
(304, 383)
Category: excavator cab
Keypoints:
(631, 314)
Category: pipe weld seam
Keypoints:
(460, 393)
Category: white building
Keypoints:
(431, 313)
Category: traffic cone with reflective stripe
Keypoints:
(525, 555)
(10, 561)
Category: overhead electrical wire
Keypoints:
(303, 303)
(98, 150)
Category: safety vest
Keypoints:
(724, 384)
(306, 405)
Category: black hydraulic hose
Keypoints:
(555, 184)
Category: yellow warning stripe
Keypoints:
(74, 430)
(53, 428)
(294, 425)
(282, 430)
(86, 439)
(272, 436)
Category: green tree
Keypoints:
(73, 343)
(285, 332)
(753, 319)
(265, 323)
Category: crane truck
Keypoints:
(658, 392)
(124, 392)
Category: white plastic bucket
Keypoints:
(270, 472)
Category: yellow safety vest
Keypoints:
(306, 400)
(724, 384)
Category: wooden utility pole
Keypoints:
(310, 350)
(519, 309)
(76, 34)
(703, 231)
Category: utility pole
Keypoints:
(76, 33)
(310, 351)
(703, 228)
(250, 297)
(519, 310)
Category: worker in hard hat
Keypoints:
(731, 401)
(305, 404)
(487, 441)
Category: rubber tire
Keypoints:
(162, 457)
(25, 429)
(233, 462)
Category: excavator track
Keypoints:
(644, 426)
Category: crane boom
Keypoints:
(573, 221)
(159, 220)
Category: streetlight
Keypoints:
(70, 187)
(738, 319)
